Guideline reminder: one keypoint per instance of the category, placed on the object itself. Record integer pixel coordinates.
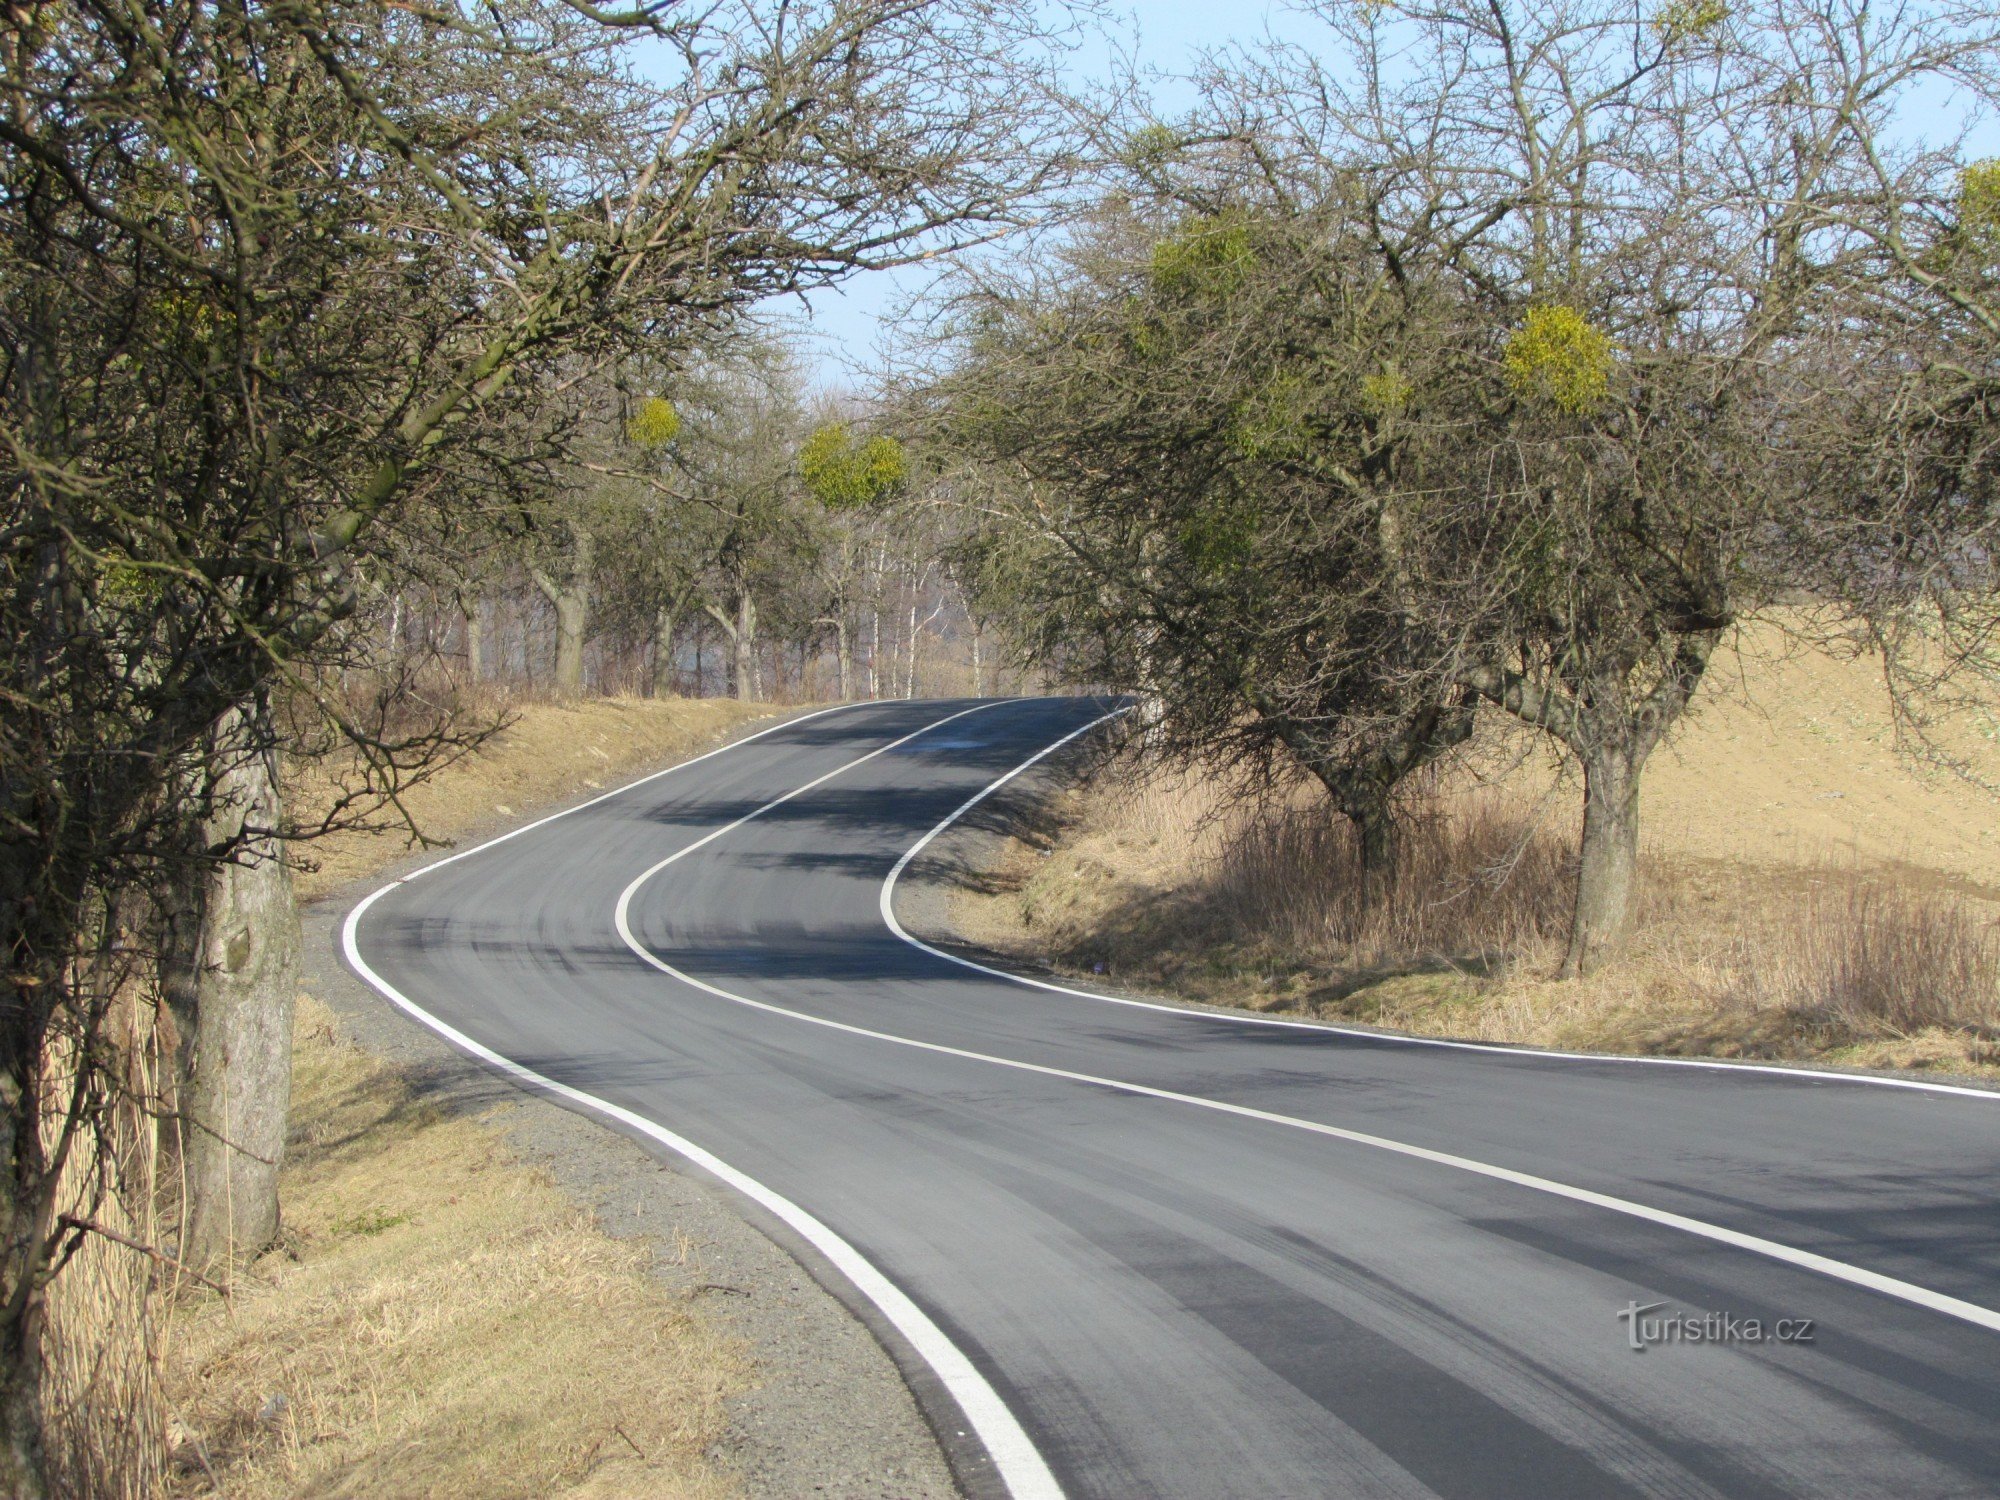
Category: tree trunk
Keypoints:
(874, 649)
(236, 1046)
(570, 599)
(1363, 786)
(22, 1459)
(475, 641)
(663, 652)
(748, 685)
(875, 624)
(1608, 860)
(1375, 831)
(978, 682)
(1366, 803)
(27, 1221)
(572, 618)
(843, 652)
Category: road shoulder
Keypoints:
(828, 1412)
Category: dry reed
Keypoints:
(104, 1421)
(1866, 959)
(1477, 882)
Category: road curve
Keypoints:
(1177, 1255)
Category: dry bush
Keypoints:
(1864, 959)
(1187, 882)
(1791, 963)
(1476, 882)
(104, 1425)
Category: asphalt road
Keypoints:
(1190, 1256)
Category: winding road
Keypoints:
(1132, 1251)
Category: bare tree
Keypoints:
(1528, 412)
(274, 275)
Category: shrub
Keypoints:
(1559, 356)
(1479, 883)
(1875, 961)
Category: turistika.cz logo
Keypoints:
(1643, 1329)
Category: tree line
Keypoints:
(720, 528)
(300, 303)
(1500, 358)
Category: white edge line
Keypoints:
(1014, 1455)
(1532, 1054)
(1905, 1291)
(619, 791)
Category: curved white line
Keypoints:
(682, 765)
(1014, 1454)
(1402, 1038)
(1905, 1291)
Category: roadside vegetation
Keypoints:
(361, 368)
(1377, 396)
(376, 378)
(1805, 894)
(438, 1319)
(547, 752)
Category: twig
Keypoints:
(620, 1430)
(152, 1252)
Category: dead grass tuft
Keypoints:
(1863, 960)
(1162, 880)
(439, 1321)
(1473, 885)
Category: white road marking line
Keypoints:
(1015, 1457)
(1924, 1297)
(1525, 1054)
(514, 833)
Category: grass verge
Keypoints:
(548, 752)
(1165, 881)
(439, 1320)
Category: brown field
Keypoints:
(1808, 892)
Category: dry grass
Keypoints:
(440, 1321)
(1163, 879)
(1474, 885)
(1165, 873)
(1862, 960)
(548, 752)
(102, 1339)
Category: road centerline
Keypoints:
(1860, 1276)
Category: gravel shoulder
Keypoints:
(830, 1413)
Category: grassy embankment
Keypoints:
(1807, 894)
(439, 1319)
